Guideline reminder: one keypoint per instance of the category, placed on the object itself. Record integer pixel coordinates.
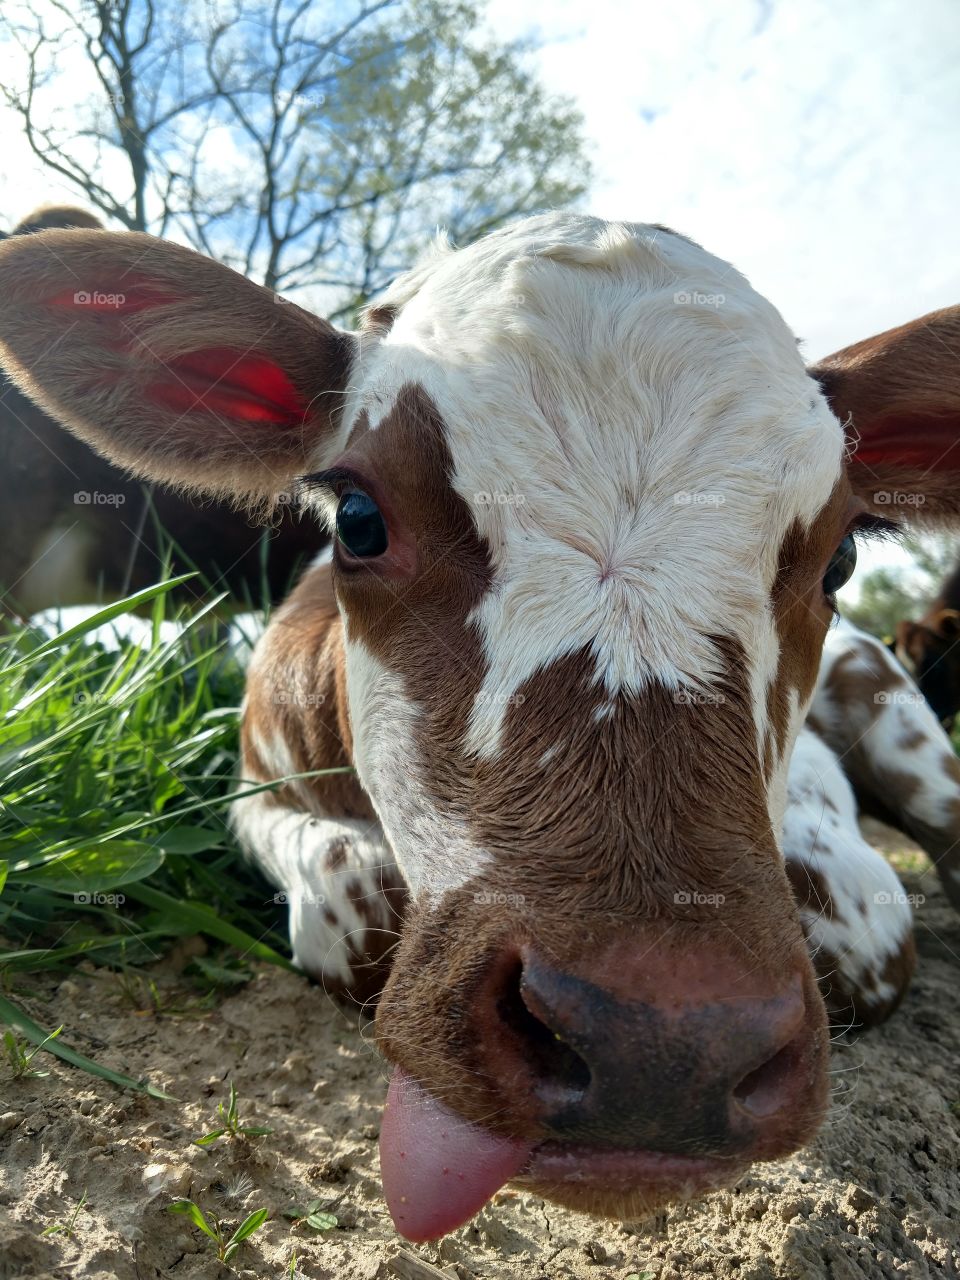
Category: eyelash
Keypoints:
(327, 487)
(869, 527)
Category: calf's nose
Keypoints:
(694, 1066)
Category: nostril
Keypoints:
(561, 1075)
(768, 1088)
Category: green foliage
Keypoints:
(117, 766)
(311, 1215)
(21, 1058)
(116, 771)
(66, 1228)
(231, 1126)
(227, 1246)
(886, 597)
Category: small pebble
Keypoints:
(172, 1178)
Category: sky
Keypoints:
(813, 143)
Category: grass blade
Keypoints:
(14, 1017)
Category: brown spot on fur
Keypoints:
(371, 951)
(857, 1006)
(811, 890)
(378, 319)
(337, 855)
(856, 681)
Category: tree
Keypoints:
(307, 145)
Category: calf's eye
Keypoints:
(841, 566)
(360, 526)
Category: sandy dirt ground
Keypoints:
(877, 1195)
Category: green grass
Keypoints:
(115, 771)
(227, 1243)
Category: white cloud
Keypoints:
(813, 144)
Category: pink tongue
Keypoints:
(438, 1169)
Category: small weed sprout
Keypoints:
(21, 1057)
(312, 1216)
(227, 1247)
(231, 1127)
(66, 1228)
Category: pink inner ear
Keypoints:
(923, 441)
(231, 384)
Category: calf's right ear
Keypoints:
(170, 364)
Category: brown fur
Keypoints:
(296, 691)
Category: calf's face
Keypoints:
(591, 511)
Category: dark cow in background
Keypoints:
(930, 650)
(75, 529)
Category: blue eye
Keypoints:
(360, 526)
(841, 567)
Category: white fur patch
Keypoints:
(293, 847)
(872, 915)
(434, 851)
(882, 729)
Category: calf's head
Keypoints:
(591, 509)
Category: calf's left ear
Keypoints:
(898, 397)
